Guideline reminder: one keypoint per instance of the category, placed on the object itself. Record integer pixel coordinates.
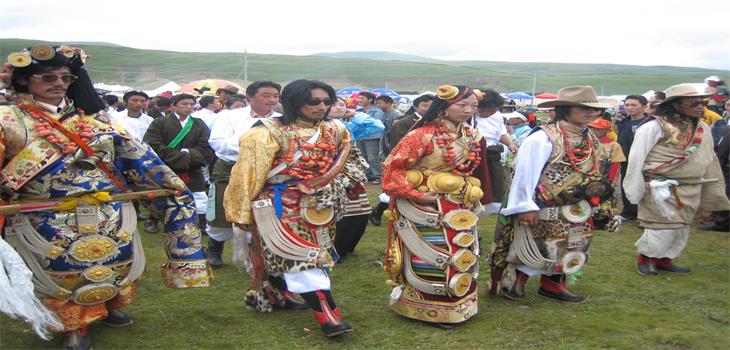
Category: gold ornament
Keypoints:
(67, 51)
(460, 284)
(318, 217)
(95, 293)
(479, 94)
(472, 194)
(463, 260)
(445, 183)
(461, 219)
(414, 177)
(94, 248)
(463, 239)
(19, 59)
(42, 52)
(54, 252)
(447, 92)
(98, 273)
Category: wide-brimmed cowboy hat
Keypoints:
(682, 90)
(576, 96)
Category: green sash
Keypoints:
(181, 135)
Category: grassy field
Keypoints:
(623, 311)
(151, 68)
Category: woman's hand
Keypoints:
(528, 218)
(427, 198)
(512, 148)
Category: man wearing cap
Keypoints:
(543, 228)
(672, 173)
(225, 92)
(71, 178)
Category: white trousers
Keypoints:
(663, 243)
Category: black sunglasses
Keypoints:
(317, 101)
(49, 78)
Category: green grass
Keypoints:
(151, 68)
(624, 310)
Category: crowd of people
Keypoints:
(281, 173)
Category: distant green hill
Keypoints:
(115, 64)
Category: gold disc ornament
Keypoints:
(318, 217)
(19, 59)
(460, 219)
(42, 52)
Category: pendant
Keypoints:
(596, 188)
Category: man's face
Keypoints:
(318, 111)
(363, 101)
(264, 99)
(184, 107)
(633, 107)
(135, 103)
(223, 95)
(689, 106)
(423, 107)
(383, 105)
(49, 91)
(215, 105)
(582, 115)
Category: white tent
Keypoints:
(111, 89)
(169, 86)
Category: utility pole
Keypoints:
(245, 65)
(534, 85)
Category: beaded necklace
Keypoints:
(579, 155)
(317, 158)
(445, 140)
(44, 128)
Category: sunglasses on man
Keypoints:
(49, 78)
(317, 101)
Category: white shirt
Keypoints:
(206, 115)
(529, 162)
(136, 126)
(646, 137)
(53, 108)
(228, 127)
(491, 128)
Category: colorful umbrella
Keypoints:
(348, 91)
(547, 96)
(518, 96)
(199, 87)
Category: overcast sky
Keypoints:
(692, 33)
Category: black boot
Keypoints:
(77, 340)
(517, 291)
(377, 214)
(215, 252)
(203, 224)
(117, 319)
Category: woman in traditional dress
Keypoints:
(433, 247)
(282, 190)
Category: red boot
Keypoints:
(555, 287)
(517, 291)
(646, 266)
(666, 264)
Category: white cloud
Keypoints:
(680, 33)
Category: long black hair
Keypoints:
(80, 91)
(296, 94)
(440, 104)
